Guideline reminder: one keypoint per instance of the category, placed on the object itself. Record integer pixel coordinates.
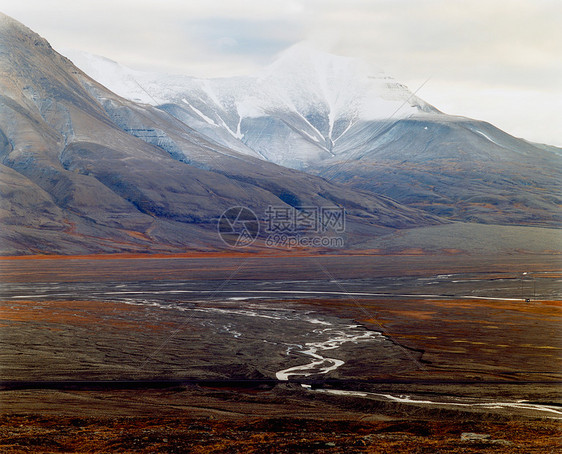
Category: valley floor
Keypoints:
(40, 433)
(351, 354)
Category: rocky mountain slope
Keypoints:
(330, 116)
(83, 170)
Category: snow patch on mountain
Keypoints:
(301, 79)
(291, 112)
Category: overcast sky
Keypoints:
(494, 60)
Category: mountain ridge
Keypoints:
(224, 104)
(85, 171)
(411, 152)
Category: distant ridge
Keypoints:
(330, 116)
(85, 171)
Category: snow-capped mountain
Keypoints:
(292, 112)
(84, 170)
(329, 115)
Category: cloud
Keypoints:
(249, 37)
(509, 41)
(470, 47)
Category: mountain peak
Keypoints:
(300, 77)
(311, 76)
(11, 30)
(314, 96)
(303, 55)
